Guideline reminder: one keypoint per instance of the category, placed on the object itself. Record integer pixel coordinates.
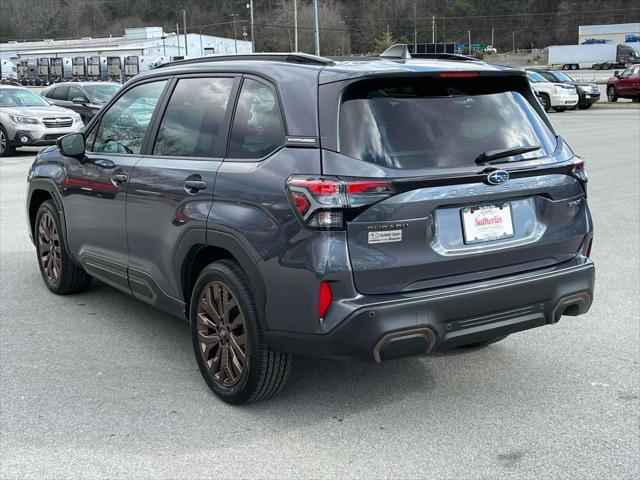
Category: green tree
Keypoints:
(383, 42)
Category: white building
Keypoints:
(143, 41)
(614, 32)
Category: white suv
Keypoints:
(552, 95)
(27, 120)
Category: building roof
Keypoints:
(616, 28)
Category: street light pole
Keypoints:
(433, 29)
(184, 27)
(415, 28)
(315, 24)
(253, 40)
(235, 36)
(295, 25)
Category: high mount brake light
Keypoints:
(458, 74)
(325, 202)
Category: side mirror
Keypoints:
(616, 73)
(72, 145)
(79, 100)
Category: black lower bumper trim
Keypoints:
(469, 314)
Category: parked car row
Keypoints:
(558, 91)
(28, 119)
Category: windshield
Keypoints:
(399, 128)
(535, 77)
(563, 77)
(18, 97)
(101, 93)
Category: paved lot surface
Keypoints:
(98, 385)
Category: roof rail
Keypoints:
(302, 58)
(401, 51)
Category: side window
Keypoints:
(123, 126)
(257, 125)
(75, 92)
(60, 93)
(191, 123)
(47, 93)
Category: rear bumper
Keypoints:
(386, 327)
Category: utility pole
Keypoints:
(492, 29)
(513, 40)
(184, 27)
(178, 36)
(469, 42)
(315, 24)
(295, 25)
(235, 36)
(433, 29)
(415, 27)
(253, 41)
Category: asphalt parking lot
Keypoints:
(98, 385)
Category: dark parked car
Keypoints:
(288, 204)
(588, 92)
(86, 98)
(624, 85)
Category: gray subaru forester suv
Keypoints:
(289, 204)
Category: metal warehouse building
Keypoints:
(614, 32)
(143, 41)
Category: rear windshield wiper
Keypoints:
(491, 155)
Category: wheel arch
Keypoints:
(217, 247)
(41, 190)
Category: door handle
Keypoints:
(194, 185)
(119, 177)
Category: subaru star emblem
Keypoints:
(497, 177)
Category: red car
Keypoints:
(624, 85)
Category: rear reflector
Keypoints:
(326, 297)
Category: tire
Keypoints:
(6, 150)
(59, 273)
(585, 106)
(566, 67)
(612, 96)
(635, 99)
(484, 343)
(559, 109)
(575, 66)
(597, 66)
(265, 371)
(606, 66)
(545, 101)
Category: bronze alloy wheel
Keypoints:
(221, 334)
(49, 248)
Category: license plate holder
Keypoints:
(486, 223)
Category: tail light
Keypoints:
(587, 248)
(328, 202)
(578, 170)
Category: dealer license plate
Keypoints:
(486, 223)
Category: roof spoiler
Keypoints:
(400, 51)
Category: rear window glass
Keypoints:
(418, 126)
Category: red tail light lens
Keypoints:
(587, 248)
(325, 299)
(578, 170)
(324, 202)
